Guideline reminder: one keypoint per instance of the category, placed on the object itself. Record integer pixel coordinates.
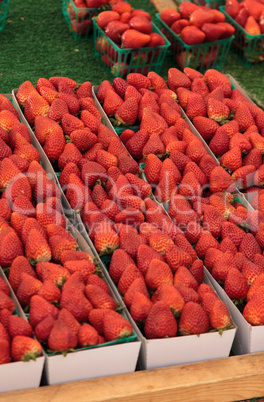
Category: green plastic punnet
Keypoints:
(79, 20)
(200, 57)
(250, 48)
(120, 62)
(4, 6)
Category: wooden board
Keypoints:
(162, 4)
(229, 379)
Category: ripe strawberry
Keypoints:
(45, 216)
(4, 352)
(71, 123)
(159, 242)
(57, 109)
(219, 316)
(87, 268)
(115, 326)
(106, 240)
(206, 241)
(177, 79)
(219, 144)
(213, 220)
(222, 266)
(35, 105)
(184, 277)
(228, 245)
(23, 91)
(6, 302)
(39, 309)
(99, 298)
(249, 246)
(244, 176)
(140, 307)
(232, 160)
(61, 337)
(160, 322)
(221, 181)
(217, 110)
(253, 311)
(207, 164)
(72, 102)
(43, 329)
(127, 165)
(87, 336)
(236, 286)
(152, 168)
(24, 348)
(18, 326)
(73, 300)
(192, 35)
(193, 320)
(254, 157)
(11, 247)
(158, 272)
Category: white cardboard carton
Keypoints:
(248, 338)
(185, 349)
(20, 375)
(91, 363)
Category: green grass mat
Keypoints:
(36, 43)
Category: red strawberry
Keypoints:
(11, 247)
(236, 286)
(221, 181)
(243, 176)
(160, 322)
(217, 110)
(24, 348)
(106, 239)
(23, 92)
(70, 123)
(192, 35)
(193, 319)
(61, 337)
(35, 105)
(159, 272)
(115, 326)
(57, 109)
(219, 316)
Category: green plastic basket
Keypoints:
(4, 6)
(250, 48)
(200, 57)
(120, 62)
(79, 20)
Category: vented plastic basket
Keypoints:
(4, 6)
(250, 48)
(200, 57)
(120, 62)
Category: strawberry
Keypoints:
(152, 122)
(240, 140)
(244, 176)
(196, 150)
(23, 91)
(127, 165)
(212, 31)
(35, 105)
(169, 16)
(243, 117)
(217, 110)
(19, 264)
(84, 90)
(257, 141)
(152, 168)
(83, 139)
(249, 246)
(184, 277)
(76, 192)
(45, 216)
(73, 300)
(39, 309)
(158, 272)
(219, 316)
(99, 298)
(105, 17)
(85, 267)
(87, 336)
(159, 242)
(50, 291)
(254, 157)
(115, 326)
(253, 311)
(206, 241)
(236, 286)
(11, 247)
(24, 348)
(6, 302)
(192, 35)
(4, 352)
(190, 72)
(235, 233)
(31, 223)
(207, 164)
(219, 144)
(193, 319)
(176, 257)
(18, 326)
(199, 86)
(106, 239)
(221, 181)
(213, 220)
(88, 104)
(130, 215)
(61, 337)
(222, 266)
(43, 329)
(232, 8)
(140, 307)
(57, 109)
(90, 120)
(254, 288)
(70, 123)
(55, 81)
(160, 322)
(232, 160)
(197, 270)
(252, 27)
(228, 245)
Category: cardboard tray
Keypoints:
(248, 338)
(20, 375)
(95, 362)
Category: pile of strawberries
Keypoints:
(52, 279)
(232, 126)
(80, 14)
(128, 102)
(16, 341)
(132, 31)
(249, 14)
(197, 24)
(118, 210)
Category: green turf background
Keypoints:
(36, 43)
